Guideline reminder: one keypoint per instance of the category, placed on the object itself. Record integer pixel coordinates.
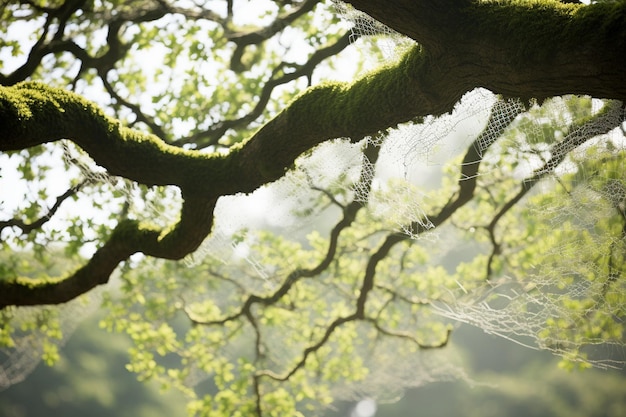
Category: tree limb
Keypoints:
(26, 228)
(457, 57)
(519, 49)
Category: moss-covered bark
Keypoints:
(525, 49)
(519, 48)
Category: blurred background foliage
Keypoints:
(506, 379)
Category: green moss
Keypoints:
(30, 104)
(354, 108)
(602, 21)
(327, 111)
(534, 29)
(32, 113)
(524, 24)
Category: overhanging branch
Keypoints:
(426, 81)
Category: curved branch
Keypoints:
(26, 228)
(424, 82)
(409, 336)
(128, 238)
(243, 39)
(338, 322)
(34, 113)
(334, 325)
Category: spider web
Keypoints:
(537, 306)
(555, 300)
(31, 344)
(387, 41)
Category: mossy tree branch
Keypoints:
(528, 49)
(463, 48)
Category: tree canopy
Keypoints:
(136, 128)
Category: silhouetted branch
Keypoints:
(243, 39)
(408, 336)
(26, 228)
(334, 325)
(211, 136)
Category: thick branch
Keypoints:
(534, 49)
(127, 238)
(466, 46)
(33, 114)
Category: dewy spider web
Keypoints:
(568, 288)
(31, 344)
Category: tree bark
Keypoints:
(519, 49)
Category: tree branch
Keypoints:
(408, 336)
(127, 238)
(519, 49)
(334, 325)
(26, 228)
(426, 81)
(243, 39)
